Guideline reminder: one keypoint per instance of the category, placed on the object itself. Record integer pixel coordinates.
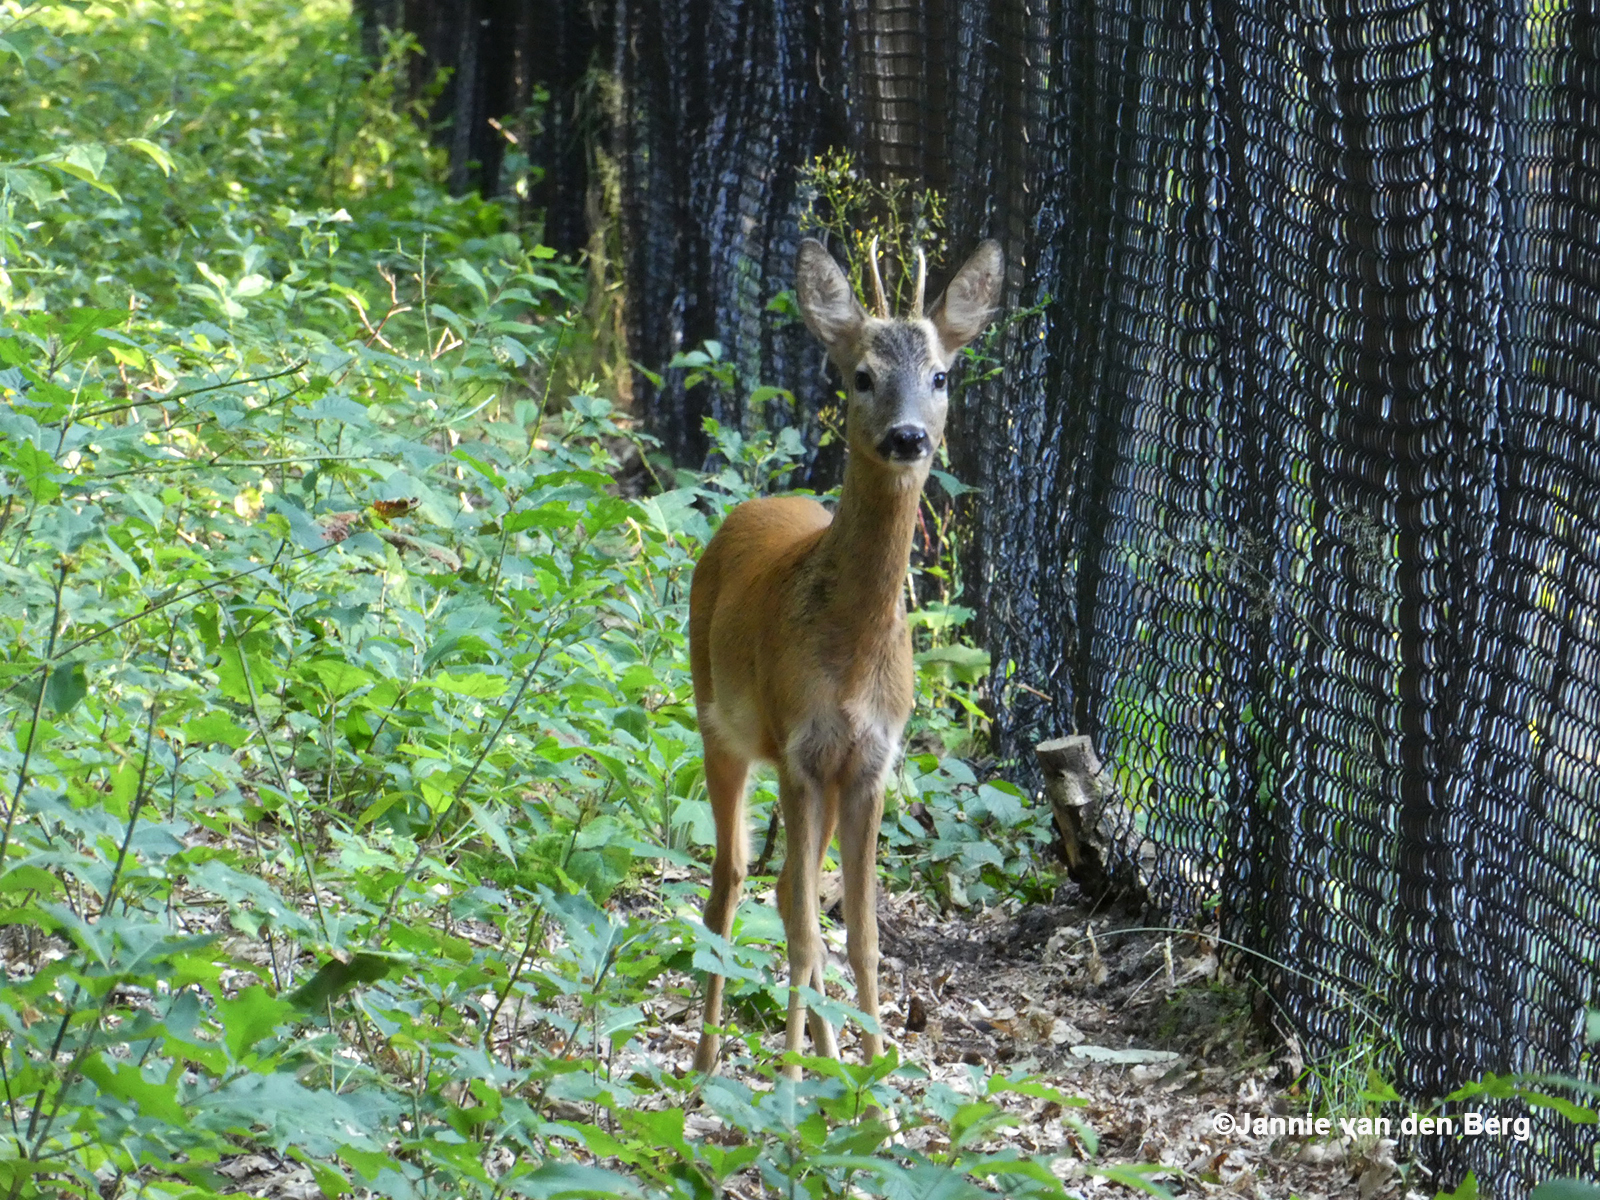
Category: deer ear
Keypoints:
(830, 308)
(967, 304)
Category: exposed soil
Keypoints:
(1146, 1027)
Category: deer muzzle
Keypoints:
(906, 443)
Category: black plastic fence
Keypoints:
(1291, 491)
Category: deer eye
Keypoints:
(863, 382)
(938, 381)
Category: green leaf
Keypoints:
(85, 161)
(761, 395)
(89, 157)
(481, 467)
(573, 1181)
(974, 853)
(470, 273)
(125, 1081)
(340, 677)
(493, 828)
(251, 1019)
(477, 686)
(81, 323)
(1035, 1170)
(156, 152)
(335, 977)
(67, 686)
(976, 1120)
(367, 1163)
(715, 955)
(836, 1013)
(1380, 1091)
(252, 900)
(863, 1137)
(928, 1181)
(236, 682)
(215, 727)
(303, 531)
(30, 879)
(216, 281)
(548, 516)
(952, 486)
(1576, 1113)
(331, 1180)
(968, 664)
(29, 184)
(38, 471)
(591, 931)
(663, 1127)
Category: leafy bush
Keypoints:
(964, 840)
(265, 125)
(340, 684)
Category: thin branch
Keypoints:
(33, 728)
(536, 925)
(173, 397)
(283, 776)
(144, 774)
(189, 464)
(272, 403)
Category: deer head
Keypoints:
(896, 369)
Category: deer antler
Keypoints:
(922, 284)
(880, 302)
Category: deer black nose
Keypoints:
(906, 443)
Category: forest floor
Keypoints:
(1145, 1027)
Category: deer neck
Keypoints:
(867, 548)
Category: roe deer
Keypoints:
(797, 629)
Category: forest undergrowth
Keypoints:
(344, 691)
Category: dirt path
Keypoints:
(1145, 1027)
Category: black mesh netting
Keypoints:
(1291, 492)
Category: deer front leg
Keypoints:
(861, 813)
(805, 820)
(725, 781)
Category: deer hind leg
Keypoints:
(862, 813)
(726, 774)
(807, 829)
